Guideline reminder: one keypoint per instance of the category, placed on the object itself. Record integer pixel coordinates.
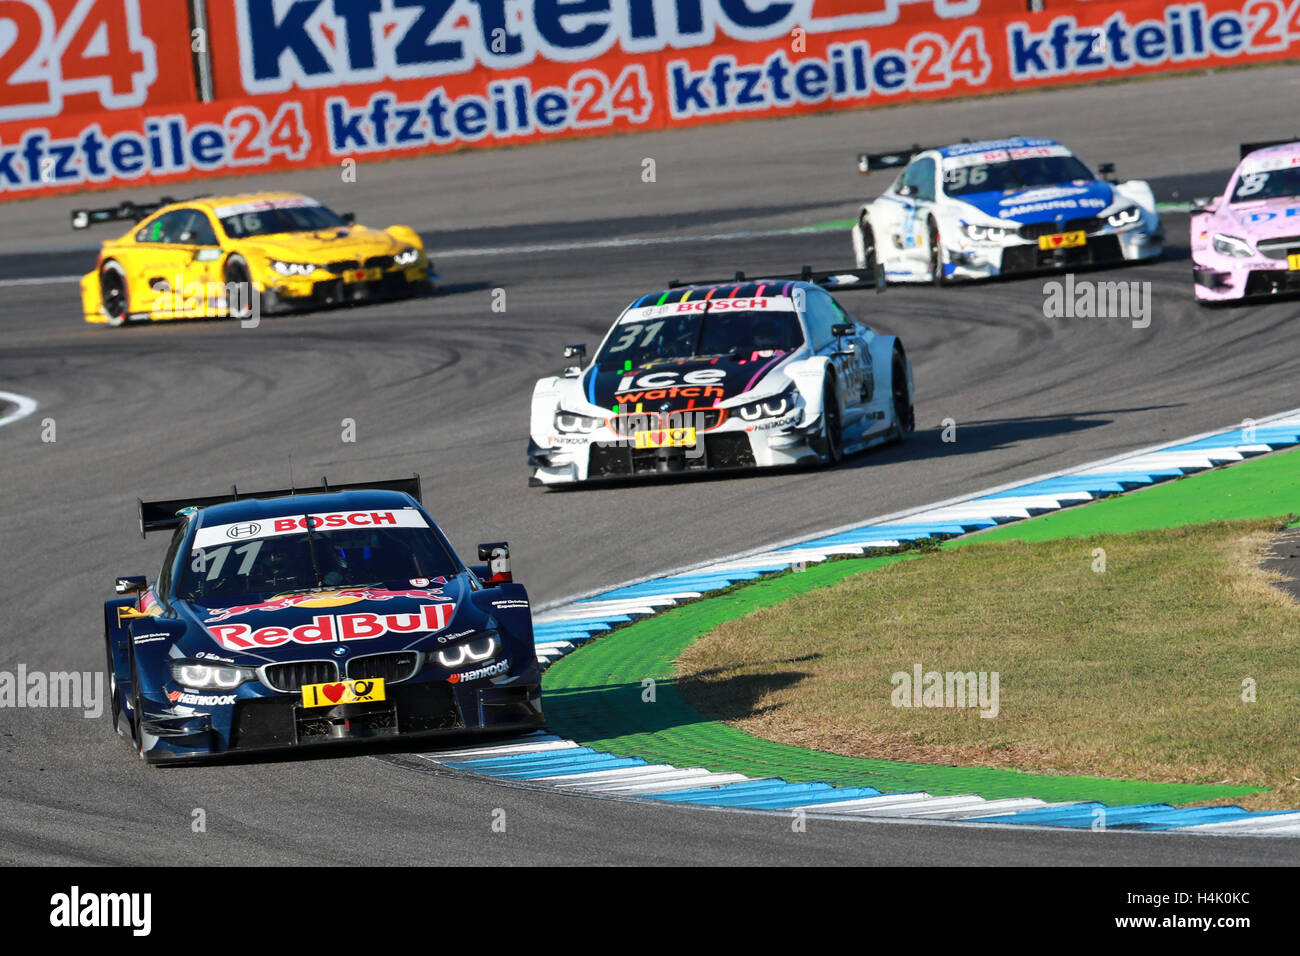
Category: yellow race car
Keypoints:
(241, 256)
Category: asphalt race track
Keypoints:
(441, 386)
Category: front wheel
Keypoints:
(904, 414)
(936, 256)
(868, 259)
(239, 288)
(831, 440)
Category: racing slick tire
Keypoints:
(936, 255)
(868, 244)
(113, 292)
(904, 413)
(831, 441)
(114, 703)
(236, 274)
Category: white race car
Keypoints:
(976, 210)
(709, 376)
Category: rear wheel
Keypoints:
(113, 292)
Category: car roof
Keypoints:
(1285, 150)
(229, 199)
(747, 289)
(1015, 142)
(253, 509)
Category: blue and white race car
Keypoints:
(977, 210)
(713, 375)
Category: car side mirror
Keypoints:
(575, 351)
(349, 217)
(906, 190)
(131, 584)
(1107, 171)
(497, 555)
(573, 371)
(1201, 205)
(840, 330)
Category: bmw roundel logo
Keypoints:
(249, 530)
(340, 651)
(665, 406)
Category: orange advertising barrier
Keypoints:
(59, 57)
(333, 85)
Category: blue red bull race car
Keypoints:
(291, 618)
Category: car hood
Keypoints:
(310, 624)
(327, 245)
(686, 384)
(1044, 203)
(1265, 219)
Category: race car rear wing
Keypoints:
(125, 211)
(1248, 148)
(164, 515)
(895, 158)
(827, 279)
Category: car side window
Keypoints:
(166, 228)
(169, 562)
(822, 316)
(198, 230)
(920, 177)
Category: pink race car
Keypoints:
(1247, 241)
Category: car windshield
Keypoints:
(1267, 184)
(339, 558)
(1013, 175)
(272, 220)
(698, 335)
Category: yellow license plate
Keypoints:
(1293, 261)
(343, 692)
(1063, 240)
(363, 275)
(668, 438)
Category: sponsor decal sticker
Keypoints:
(478, 673)
(326, 629)
(206, 537)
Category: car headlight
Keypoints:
(468, 652)
(985, 233)
(407, 257)
(773, 407)
(293, 268)
(210, 676)
(1125, 217)
(569, 423)
(1226, 245)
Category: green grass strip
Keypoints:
(595, 695)
(1267, 487)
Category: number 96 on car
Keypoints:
(343, 692)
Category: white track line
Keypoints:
(45, 281)
(25, 407)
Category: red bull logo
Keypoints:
(339, 598)
(328, 629)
